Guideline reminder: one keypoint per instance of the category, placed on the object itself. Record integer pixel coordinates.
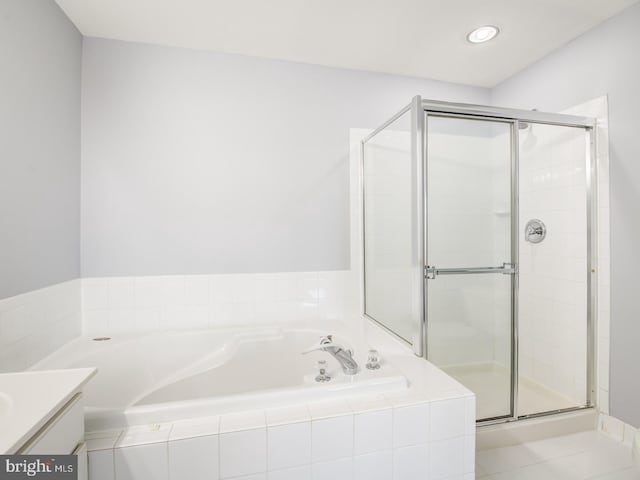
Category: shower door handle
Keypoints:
(431, 272)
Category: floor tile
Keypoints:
(580, 456)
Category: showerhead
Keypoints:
(525, 125)
(531, 139)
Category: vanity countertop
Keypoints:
(28, 400)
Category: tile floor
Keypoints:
(579, 456)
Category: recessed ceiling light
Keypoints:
(483, 34)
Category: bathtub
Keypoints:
(165, 376)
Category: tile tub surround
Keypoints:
(421, 433)
(35, 324)
(124, 304)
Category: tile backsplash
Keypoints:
(34, 324)
(129, 304)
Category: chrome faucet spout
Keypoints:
(342, 355)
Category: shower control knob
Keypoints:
(535, 231)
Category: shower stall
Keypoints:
(479, 230)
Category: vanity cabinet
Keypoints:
(62, 434)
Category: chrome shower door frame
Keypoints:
(420, 112)
(515, 117)
(512, 270)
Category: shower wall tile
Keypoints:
(553, 293)
(553, 274)
(35, 324)
(137, 304)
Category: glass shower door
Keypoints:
(470, 275)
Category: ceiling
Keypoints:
(419, 38)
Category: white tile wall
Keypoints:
(257, 476)
(182, 453)
(411, 425)
(373, 466)
(287, 415)
(553, 274)
(411, 463)
(35, 324)
(142, 462)
(243, 453)
(101, 465)
(118, 304)
(448, 419)
(322, 440)
(144, 434)
(333, 469)
(298, 473)
(332, 438)
(289, 445)
(447, 458)
(373, 431)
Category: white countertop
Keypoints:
(28, 400)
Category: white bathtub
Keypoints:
(165, 376)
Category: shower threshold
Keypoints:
(491, 384)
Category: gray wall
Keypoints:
(604, 61)
(40, 53)
(197, 162)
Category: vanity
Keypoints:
(42, 413)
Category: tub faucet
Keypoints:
(341, 354)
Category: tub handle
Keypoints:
(324, 342)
